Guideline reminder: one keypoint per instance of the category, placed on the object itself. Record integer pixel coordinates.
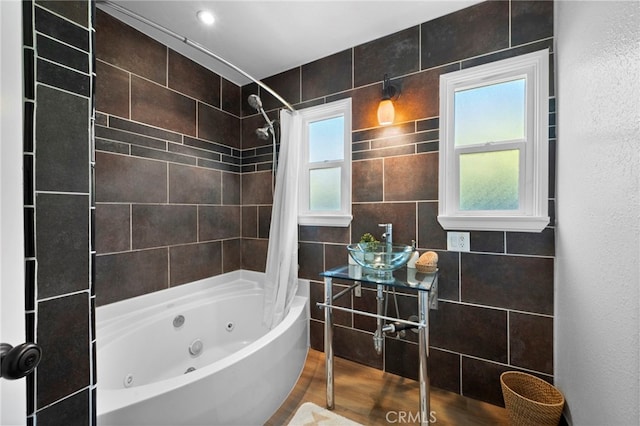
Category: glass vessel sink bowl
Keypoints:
(380, 258)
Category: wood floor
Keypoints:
(370, 397)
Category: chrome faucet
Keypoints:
(378, 336)
(388, 232)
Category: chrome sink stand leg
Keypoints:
(378, 337)
(423, 346)
(328, 341)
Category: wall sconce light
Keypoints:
(386, 111)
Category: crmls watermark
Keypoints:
(409, 417)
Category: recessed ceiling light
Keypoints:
(205, 17)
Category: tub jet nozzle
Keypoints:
(178, 321)
(195, 348)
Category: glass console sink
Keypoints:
(380, 259)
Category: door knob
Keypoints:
(19, 361)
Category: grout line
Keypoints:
(197, 116)
(508, 337)
(504, 239)
(61, 296)
(510, 14)
(130, 227)
(460, 375)
(477, 358)
(64, 18)
(130, 112)
(353, 68)
(68, 68)
(220, 91)
(420, 47)
(459, 276)
(62, 193)
(37, 33)
(495, 308)
(40, 83)
(40, 409)
(300, 84)
(168, 267)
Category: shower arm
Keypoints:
(196, 46)
(266, 117)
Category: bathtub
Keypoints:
(198, 354)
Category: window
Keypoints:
(325, 167)
(494, 145)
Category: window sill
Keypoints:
(341, 221)
(494, 223)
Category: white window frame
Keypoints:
(532, 216)
(338, 218)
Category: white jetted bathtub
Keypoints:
(198, 354)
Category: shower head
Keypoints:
(263, 132)
(255, 102)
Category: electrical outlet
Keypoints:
(458, 241)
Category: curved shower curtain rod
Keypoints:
(195, 45)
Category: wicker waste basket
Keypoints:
(529, 400)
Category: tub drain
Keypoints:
(190, 369)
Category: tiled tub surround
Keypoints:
(167, 166)
(60, 298)
(496, 303)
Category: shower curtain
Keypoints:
(281, 277)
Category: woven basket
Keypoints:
(428, 262)
(530, 401)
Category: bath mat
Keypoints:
(309, 414)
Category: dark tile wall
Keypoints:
(495, 311)
(153, 233)
(58, 205)
(496, 303)
(168, 166)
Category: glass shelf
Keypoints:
(405, 278)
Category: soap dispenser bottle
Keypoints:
(414, 256)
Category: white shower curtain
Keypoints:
(281, 277)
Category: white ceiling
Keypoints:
(267, 37)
